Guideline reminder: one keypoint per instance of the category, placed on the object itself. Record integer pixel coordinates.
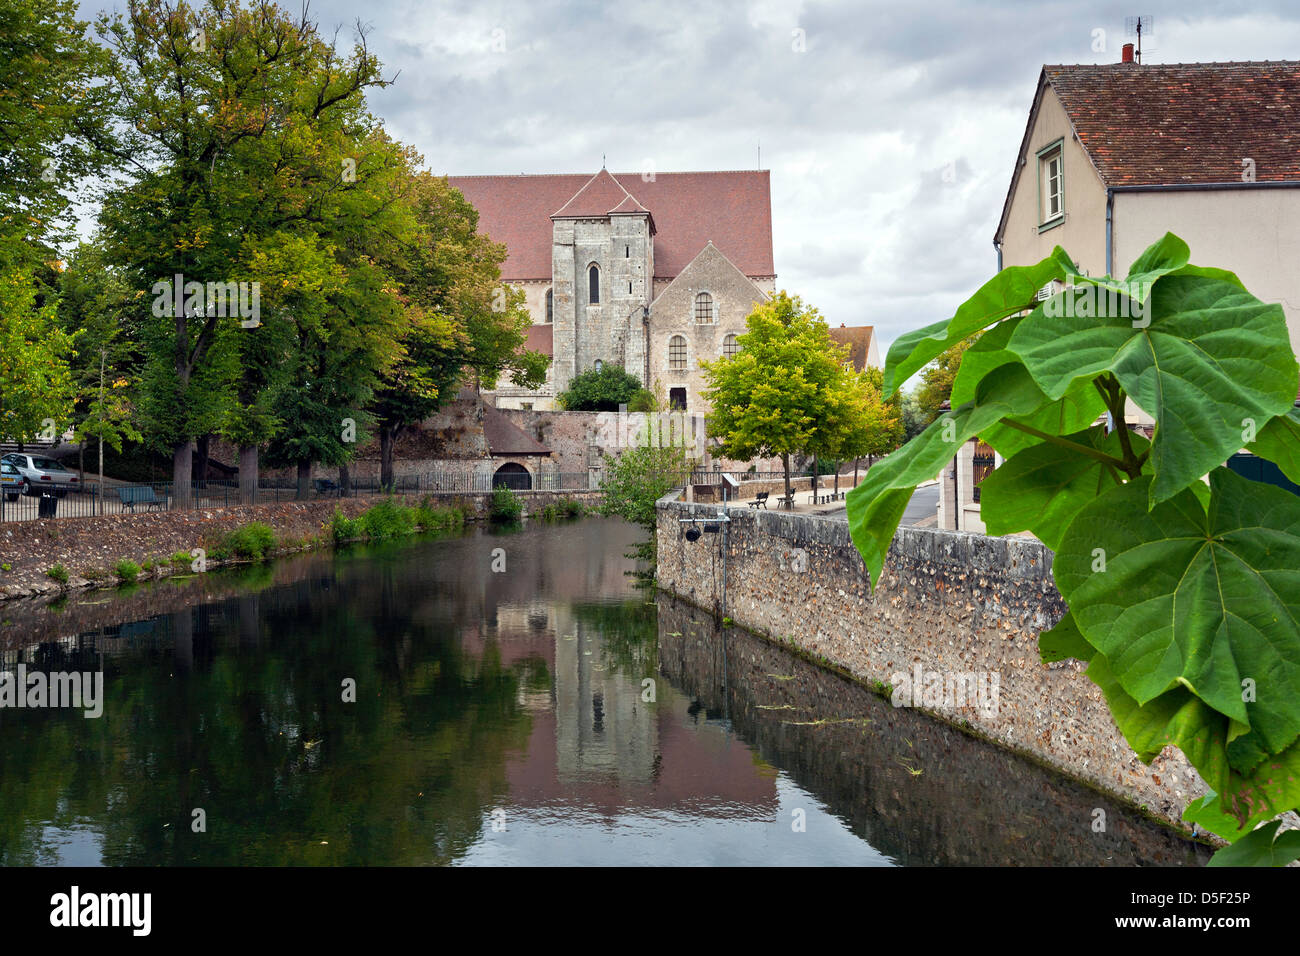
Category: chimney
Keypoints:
(1127, 56)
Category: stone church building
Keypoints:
(652, 273)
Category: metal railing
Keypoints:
(144, 497)
(704, 476)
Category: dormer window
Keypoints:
(593, 285)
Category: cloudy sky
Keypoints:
(859, 109)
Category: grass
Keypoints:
(58, 573)
(181, 561)
(126, 571)
(391, 518)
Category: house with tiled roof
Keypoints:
(1116, 155)
(651, 272)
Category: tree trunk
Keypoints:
(837, 479)
(816, 468)
(345, 479)
(182, 474)
(855, 472)
(304, 480)
(248, 474)
(789, 492)
(387, 435)
(201, 468)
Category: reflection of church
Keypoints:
(648, 272)
(591, 727)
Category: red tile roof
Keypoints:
(601, 195)
(541, 338)
(505, 438)
(858, 339)
(1190, 123)
(734, 209)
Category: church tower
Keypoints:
(602, 272)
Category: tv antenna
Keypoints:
(1136, 26)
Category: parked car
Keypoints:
(39, 474)
(11, 482)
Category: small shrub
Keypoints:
(148, 566)
(126, 571)
(388, 519)
(181, 560)
(572, 508)
(342, 528)
(505, 505)
(251, 542)
(58, 573)
(6, 567)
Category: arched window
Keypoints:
(677, 352)
(704, 308)
(550, 306)
(730, 346)
(593, 284)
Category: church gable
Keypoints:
(698, 317)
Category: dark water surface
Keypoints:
(550, 713)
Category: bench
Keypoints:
(324, 485)
(760, 500)
(132, 495)
(786, 501)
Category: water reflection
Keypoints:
(550, 713)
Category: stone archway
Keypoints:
(513, 476)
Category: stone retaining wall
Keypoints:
(952, 603)
(92, 546)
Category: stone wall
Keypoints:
(90, 547)
(949, 602)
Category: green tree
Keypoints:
(785, 391)
(1183, 596)
(937, 379)
(52, 112)
(227, 115)
(637, 477)
(465, 325)
(602, 390)
(37, 389)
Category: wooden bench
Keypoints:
(760, 500)
(324, 485)
(786, 502)
(132, 495)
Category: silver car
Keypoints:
(40, 474)
(11, 482)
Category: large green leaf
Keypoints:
(1212, 357)
(1279, 442)
(876, 505)
(1176, 718)
(1261, 847)
(1179, 719)
(1064, 642)
(1202, 600)
(1042, 488)
(1012, 290)
(1167, 255)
